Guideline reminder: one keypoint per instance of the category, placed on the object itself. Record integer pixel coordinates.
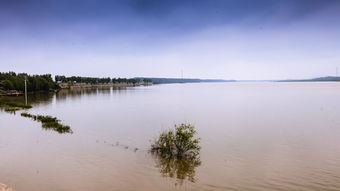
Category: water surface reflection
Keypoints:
(255, 136)
(180, 169)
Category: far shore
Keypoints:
(78, 86)
(100, 85)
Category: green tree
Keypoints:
(178, 143)
(7, 85)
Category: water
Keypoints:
(255, 137)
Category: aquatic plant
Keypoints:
(49, 122)
(12, 107)
(179, 143)
(16, 104)
(24, 114)
(11, 110)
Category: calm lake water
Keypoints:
(255, 137)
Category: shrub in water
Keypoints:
(179, 143)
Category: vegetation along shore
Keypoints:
(12, 83)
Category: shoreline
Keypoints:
(101, 85)
(11, 93)
(76, 86)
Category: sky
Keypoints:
(225, 39)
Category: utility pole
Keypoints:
(26, 90)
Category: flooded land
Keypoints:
(261, 136)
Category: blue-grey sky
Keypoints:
(229, 39)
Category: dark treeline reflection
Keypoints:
(78, 92)
(180, 169)
(33, 99)
(46, 98)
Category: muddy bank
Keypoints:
(10, 93)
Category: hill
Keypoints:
(320, 79)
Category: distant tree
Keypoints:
(146, 80)
(6, 84)
(13, 81)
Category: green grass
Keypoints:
(24, 114)
(10, 110)
(16, 104)
(12, 107)
(49, 122)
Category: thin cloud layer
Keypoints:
(210, 39)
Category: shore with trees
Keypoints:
(12, 83)
(89, 82)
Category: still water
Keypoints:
(255, 137)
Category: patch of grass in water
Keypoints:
(12, 107)
(49, 122)
(11, 110)
(24, 114)
(16, 104)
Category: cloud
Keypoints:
(240, 39)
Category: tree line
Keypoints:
(91, 80)
(13, 81)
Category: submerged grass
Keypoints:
(16, 104)
(12, 107)
(10, 110)
(49, 122)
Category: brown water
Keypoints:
(255, 137)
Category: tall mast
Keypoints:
(26, 90)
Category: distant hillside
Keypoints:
(321, 79)
(180, 80)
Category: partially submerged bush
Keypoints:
(179, 143)
(49, 122)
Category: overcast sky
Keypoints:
(229, 39)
